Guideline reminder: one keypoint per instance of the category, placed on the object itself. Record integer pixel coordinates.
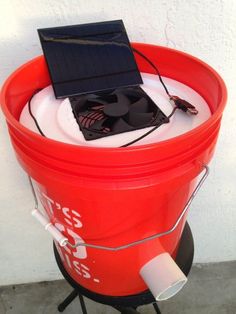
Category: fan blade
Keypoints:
(122, 99)
(140, 106)
(96, 101)
(121, 126)
(91, 96)
(137, 119)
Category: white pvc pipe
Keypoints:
(163, 277)
(56, 234)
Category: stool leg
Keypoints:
(67, 301)
(156, 308)
(83, 307)
(126, 310)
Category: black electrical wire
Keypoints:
(31, 113)
(154, 67)
(166, 90)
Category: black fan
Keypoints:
(118, 111)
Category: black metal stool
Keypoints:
(127, 304)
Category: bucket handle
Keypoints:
(63, 241)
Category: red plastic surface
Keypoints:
(112, 196)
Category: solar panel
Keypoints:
(89, 58)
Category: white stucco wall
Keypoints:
(205, 29)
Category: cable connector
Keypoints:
(183, 105)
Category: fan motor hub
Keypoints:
(116, 110)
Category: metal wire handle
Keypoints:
(154, 236)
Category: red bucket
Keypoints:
(114, 196)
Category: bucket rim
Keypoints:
(177, 139)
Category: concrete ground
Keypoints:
(211, 289)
